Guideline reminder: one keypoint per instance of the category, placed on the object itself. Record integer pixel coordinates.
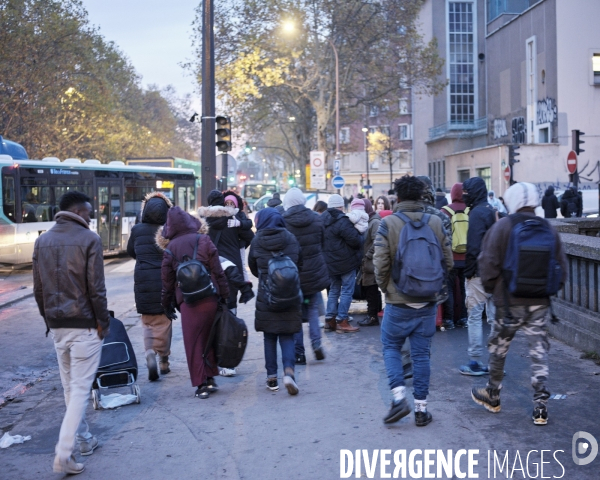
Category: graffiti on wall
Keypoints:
(519, 130)
(500, 128)
(546, 111)
(587, 172)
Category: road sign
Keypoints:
(507, 173)
(338, 181)
(318, 180)
(317, 161)
(336, 166)
(572, 162)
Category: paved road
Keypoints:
(246, 432)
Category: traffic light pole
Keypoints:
(208, 156)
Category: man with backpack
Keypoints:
(481, 218)
(459, 218)
(522, 263)
(410, 241)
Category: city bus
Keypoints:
(252, 191)
(30, 190)
(171, 162)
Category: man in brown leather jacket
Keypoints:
(68, 283)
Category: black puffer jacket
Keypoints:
(307, 227)
(343, 243)
(550, 203)
(267, 241)
(148, 256)
(228, 240)
(481, 217)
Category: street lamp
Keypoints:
(366, 130)
(290, 27)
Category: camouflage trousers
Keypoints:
(532, 320)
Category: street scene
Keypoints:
(265, 239)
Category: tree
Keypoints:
(265, 78)
(67, 92)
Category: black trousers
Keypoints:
(448, 307)
(373, 296)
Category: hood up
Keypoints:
(179, 223)
(155, 207)
(476, 191)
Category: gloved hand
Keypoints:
(247, 293)
(233, 222)
(170, 313)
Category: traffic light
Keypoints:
(513, 154)
(291, 180)
(223, 134)
(362, 179)
(576, 140)
(248, 148)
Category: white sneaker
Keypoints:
(68, 466)
(227, 372)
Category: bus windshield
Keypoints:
(253, 191)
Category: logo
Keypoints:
(589, 444)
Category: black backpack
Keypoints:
(282, 285)
(228, 337)
(193, 278)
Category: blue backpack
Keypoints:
(418, 270)
(530, 266)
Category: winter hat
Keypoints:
(215, 197)
(335, 201)
(232, 199)
(293, 197)
(521, 195)
(357, 204)
(276, 200)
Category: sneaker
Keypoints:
(203, 392)
(474, 369)
(397, 411)
(462, 323)
(152, 365)
(540, 414)
(345, 327)
(87, 447)
(68, 466)
(319, 353)
(212, 385)
(227, 372)
(301, 359)
(448, 324)
(164, 365)
(369, 322)
(422, 419)
(488, 398)
(272, 384)
(290, 383)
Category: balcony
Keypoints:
(461, 130)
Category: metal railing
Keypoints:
(442, 130)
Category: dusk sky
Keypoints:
(154, 34)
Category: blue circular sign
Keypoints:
(338, 181)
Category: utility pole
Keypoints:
(208, 155)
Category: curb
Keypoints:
(10, 302)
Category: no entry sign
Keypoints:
(507, 173)
(572, 162)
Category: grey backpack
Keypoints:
(418, 270)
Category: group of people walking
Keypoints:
(469, 254)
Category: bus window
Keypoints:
(8, 197)
(36, 204)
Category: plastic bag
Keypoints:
(115, 400)
(7, 439)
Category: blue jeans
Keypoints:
(418, 325)
(310, 313)
(286, 342)
(341, 288)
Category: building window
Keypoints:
(461, 64)
(485, 174)
(403, 106)
(404, 132)
(345, 135)
(596, 68)
(373, 111)
(385, 129)
(464, 175)
(544, 135)
(437, 173)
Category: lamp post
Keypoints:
(366, 132)
(208, 156)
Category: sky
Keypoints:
(154, 34)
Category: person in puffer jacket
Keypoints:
(281, 325)
(147, 284)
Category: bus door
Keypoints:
(109, 195)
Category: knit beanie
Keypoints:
(335, 201)
(293, 197)
(357, 204)
(521, 195)
(215, 197)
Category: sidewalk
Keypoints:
(247, 432)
